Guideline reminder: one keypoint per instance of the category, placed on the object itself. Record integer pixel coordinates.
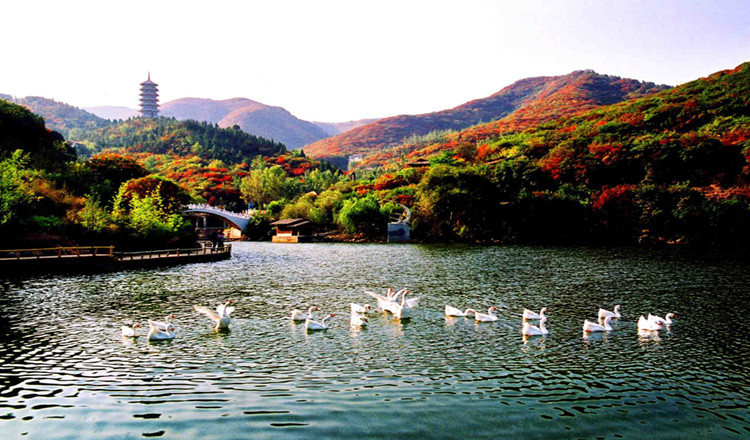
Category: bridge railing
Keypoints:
(206, 207)
(58, 252)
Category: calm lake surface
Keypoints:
(65, 371)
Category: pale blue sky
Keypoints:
(342, 60)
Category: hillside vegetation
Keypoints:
(670, 167)
(170, 136)
(59, 116)
(540, 98)
(24, 130)
(132, 194)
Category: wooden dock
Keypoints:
(92, 259)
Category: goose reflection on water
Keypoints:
(533, 342)
(358, 320)
(532, 330)
(647, 336)
(355, 332)
(589, 337)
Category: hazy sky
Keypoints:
(335, 61)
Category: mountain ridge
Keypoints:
(271, 122)
(57, 115)
(524, 93)
(702, 113)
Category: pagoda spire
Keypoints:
(149, 98)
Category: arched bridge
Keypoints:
(398, 227)
(402, 217)
(240, 220)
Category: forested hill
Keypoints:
(251, 116)
(20, 129)
(672, 167)
(541, 98)
(170, 136)
(58, 116)
(681, 130)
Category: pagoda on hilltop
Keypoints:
(149, 98)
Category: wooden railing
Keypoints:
(58, 252)
(87, 259)
(104, 251)
(167, 253)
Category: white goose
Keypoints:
(393, 296)
(486, 317)
(530, 314)
(406, 305)
(452, 311)
(403, 309)
(318, 325)
(389, 297)
(222, 319)
(222, 309)
(356, 308)
(665, 320)
(647, 324)
(532, 330)
(162, 325)
(411, 302)
(301, 316)
(383, 300)
(157, 334)
(358, 320)
(589, 326)
(603, 313)
(130, 332)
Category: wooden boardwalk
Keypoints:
(82, 259)
(57, 252)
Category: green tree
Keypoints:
(149, 218)
(102, 175)
(172, 196)
(13, 185)
(456, 203)
(302, 208)
(362, 216)
(263, 186)
(319, 181)
(94, 217)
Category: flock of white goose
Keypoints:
(401, 309)
(389, 302)
(161, 330)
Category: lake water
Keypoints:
(67, 373)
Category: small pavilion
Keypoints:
(292, 230)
